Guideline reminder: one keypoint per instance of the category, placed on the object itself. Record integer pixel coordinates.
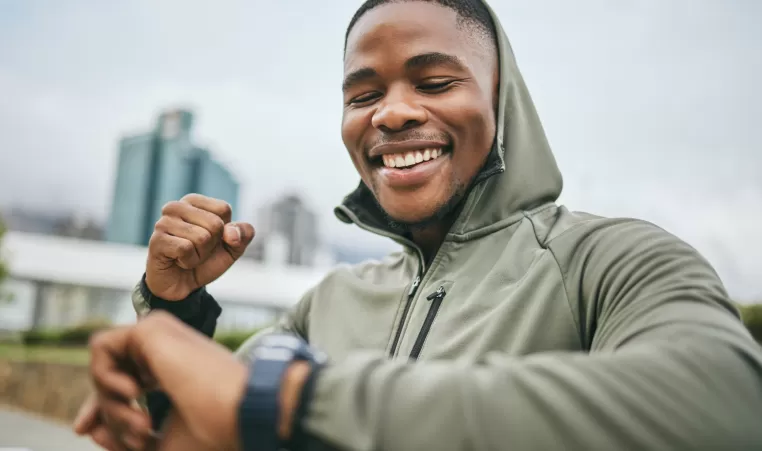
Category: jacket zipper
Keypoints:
(436, 301)
(410, 296)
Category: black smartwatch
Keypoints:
(259, 410)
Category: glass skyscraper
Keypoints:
(158, 167)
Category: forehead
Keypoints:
(396, 31)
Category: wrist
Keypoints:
(290, 393)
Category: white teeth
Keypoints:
(402, 160)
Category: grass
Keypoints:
(51, 354)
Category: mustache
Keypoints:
(409, 136)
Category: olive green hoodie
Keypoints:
(533, 328)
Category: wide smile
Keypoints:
(404, 160)
(411, 168)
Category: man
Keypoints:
(506, 322)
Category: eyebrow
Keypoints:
(415, 62)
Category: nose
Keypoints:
(398, 111)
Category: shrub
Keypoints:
(74, 336)
(40, 337)
(234, 339)
(752, 318)
(80, 335)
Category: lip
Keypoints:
(414, 176)
(404, 146)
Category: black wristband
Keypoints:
(299, 435)
(199, 309)
(186, 308)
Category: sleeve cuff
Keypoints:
(199, 310)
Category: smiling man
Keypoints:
(505, 322)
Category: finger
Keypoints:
(87, 416)
(125, 418)
(203, 240)
(175, 249)
(104, 438)
(108, 349)
(198, 216)
(131, 425)
(237, 236)
(216, 206)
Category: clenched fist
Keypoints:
(192, 245)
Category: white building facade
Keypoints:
(58, 282)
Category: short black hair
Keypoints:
(470, 12)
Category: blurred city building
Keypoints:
(60, 223)
(160, 166)
(57, 282)
(287, 234)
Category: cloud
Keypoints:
(651, 107)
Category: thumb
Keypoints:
(237, 236)
(87, 417)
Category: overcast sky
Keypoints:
(653, 108)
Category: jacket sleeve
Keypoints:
(670, 367)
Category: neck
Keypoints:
(430, 238)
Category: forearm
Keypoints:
(199, 310)
(681, 395)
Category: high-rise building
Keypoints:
(287, 233)
(158, 167)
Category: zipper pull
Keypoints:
(414, 286)
(440, 293)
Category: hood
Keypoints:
(520, 172)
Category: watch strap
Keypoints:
(259, 411)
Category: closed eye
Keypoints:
(364, 98)
(436, 87)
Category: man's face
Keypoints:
(419, 106)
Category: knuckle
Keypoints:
(170, 207)
(217, 226)
(222, 208)
(226, 208)
(185, 247)
(204, 236)
(162, 224)
(191, 197)
(157, 240)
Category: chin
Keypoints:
(416, 206)
(408, 217)
(407, 210)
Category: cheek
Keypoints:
(352, 129)
(474, 133)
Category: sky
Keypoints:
(651, 107)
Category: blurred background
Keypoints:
(110, 109)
